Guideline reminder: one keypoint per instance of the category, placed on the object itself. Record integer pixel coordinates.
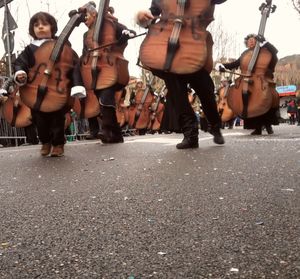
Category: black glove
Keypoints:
(126, 35)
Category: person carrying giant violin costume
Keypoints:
(271, 116)
(107, 80)
(184, 58)
(29, 67)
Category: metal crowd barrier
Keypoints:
(11, 136)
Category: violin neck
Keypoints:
(266, 9)
(262, 25)
(63, 37)
(180, 7)
(103, 7)
(147, 90)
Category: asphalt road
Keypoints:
(143, 209)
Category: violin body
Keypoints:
(15, 112)
(58, 83)
(68, 120)
(275, 96)
(224, 110)
(121, 110)
(111, 64)
(87, 107)
(157, 112)
(260, 97)
(142, 108)
(191, 52)
(258, 87)
(209, 63)
(111, 67)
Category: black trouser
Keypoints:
(109, 122)
(50, 126)
(94, 126)
(203, 85)
(31, 134)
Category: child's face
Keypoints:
(42, 30)
(251, 42)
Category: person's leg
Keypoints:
(42, 122)
(269, 129)
(93, 128)
(111, 130)
(31, 134)
(202, 83)
(183, 110)
(57, 133)
(257, 131)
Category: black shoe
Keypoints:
(257, 131)
(216, 132)
(269, 130)
(103, 138)
(188, 143)
(111, 139)
(116, 139)
(90, 137)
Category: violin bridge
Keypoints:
(248, 80)
(47, 72)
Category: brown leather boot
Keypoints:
(57, 151)
(45, 150)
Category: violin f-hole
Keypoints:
(58, 80)
(36, 72)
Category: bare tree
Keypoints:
(296, 4)
(225, 44)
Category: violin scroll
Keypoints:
(80, 14)
(267, 8)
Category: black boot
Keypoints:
(257, 131)
(216, 132)
(111, 130)
(116, 134)
(191, 142)
(190, 131)
(269, 129)
(104, 135)
(189, 124)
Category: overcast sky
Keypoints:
(238, 17)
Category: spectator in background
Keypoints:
(298, 106)
(292, 111)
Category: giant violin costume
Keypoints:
(14, 111)
(103, 64)
(254, 91)
(121, 110)
(139, 113)
(157, 110)
(177, 43)
(49, 81)
(226, 113)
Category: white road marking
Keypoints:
(162, 139)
